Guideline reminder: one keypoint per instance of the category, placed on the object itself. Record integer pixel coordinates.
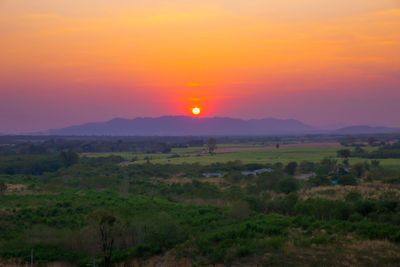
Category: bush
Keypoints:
(347, 180)
(307, 166)
(291, 168)
(365, 207)
(235, 177)
(288, 185)
(3, 187)
(269, 180)
(358, 170)
(319, 180)
(165, 232)
(283, 205)
(243, 251)
(353, 196)
(239, 210)
(323, 209)
(391, 180)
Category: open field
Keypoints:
(313, 152)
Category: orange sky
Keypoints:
(327, 63)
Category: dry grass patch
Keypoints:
(339, 192)
(183, 180)
(166, 260)
(19, 189)
(202, 201)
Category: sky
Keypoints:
(328, 63)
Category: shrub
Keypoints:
(391, 180)
(358, 170)
(244, 251)
(288, 185)
(353, 196)
(291, 168)
(319, 180)
(239, 210)
(307, 166)
(323, 209)
(347, 180)
(365, 207)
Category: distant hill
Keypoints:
(364, 129)
(184, 125)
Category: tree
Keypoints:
(319, 180)
(329, 165)
(353, 196)
(372, 141)
(164, 232)
(288, 202)
(344, 153)
(211, 145)
(347, 141)
(104, 223)
(375, 163)
(239, 210)
(307, 166)
(347, 180)
(359, 150)
(278, 166)
(291, 168)
(147, 159)
(358, 170)
(3, 187)
(69, 158)
(288, 185)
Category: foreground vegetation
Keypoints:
(307, 210)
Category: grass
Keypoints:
(284, 155)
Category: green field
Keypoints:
(283, 155)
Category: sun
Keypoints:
(196, 111)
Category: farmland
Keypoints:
(246, 154)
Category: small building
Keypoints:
(256, 172)
(123, 163)
(305, 176)
(212, 174)
(342, 171)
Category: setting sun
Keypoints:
(196, 111)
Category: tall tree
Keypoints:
(3, 187)
(372, 141)
(211, 145)
(348, 140)
(291, 168)
(105, 224)
(344, 153)
(69, 157)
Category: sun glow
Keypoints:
(196, 111)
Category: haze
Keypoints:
(327, 63)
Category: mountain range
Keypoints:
(364, 129)
(185, 125)
(193, 126)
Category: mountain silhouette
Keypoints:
(185, 125)
(365, 129)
